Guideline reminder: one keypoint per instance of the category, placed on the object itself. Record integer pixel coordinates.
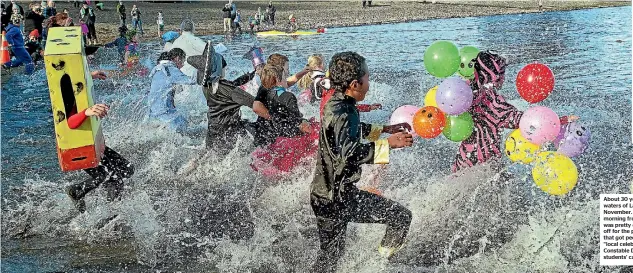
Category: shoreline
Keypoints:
(208, 20)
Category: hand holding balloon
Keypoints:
(395, 128)
(400, 140)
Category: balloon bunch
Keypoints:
(553, 172)
(445, 106)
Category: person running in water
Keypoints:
(16, 44)
(224, 99)
(490, 113)
(112, 169)
(165, 76)
(334, 198)
(286, 119)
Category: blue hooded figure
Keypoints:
(165, 76)
(16, 42)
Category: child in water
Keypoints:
(131, 50)
(112, 169)
(334, 197)
(165, 76)
(490, 113)
(286, 119)
(120, 43)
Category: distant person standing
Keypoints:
(236, 22)
(136, 19)
(50, 10)
(160, 23)
(34, 20)
(540, 5)
(88, 15)
(366, 1)
(227, 17)
(233, 13)
(272, 11)
(120, 8)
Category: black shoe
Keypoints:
(79, 203)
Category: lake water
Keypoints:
(225, 218)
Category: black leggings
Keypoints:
(92, 32)
(112, 169)
(358, 207)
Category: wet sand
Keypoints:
(207, 15)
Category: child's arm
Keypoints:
(368, 107)
(98, 110)
(178, 77)
(508, 115)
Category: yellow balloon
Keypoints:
(520, 149)
(429, 99)
(554, 173)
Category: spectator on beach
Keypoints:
(88, 15)
(136, 19)
(540, 5)
(365, 2)
(11, 12)
(292, 23)
(50, 10)
(233, 13)
(227, 17)
(272, 11)
(34, 20)
(160, 23)
(236, 22)
(120, 8)
(99, 5)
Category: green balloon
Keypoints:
(458, 128)
(466, 68)
(441, 59)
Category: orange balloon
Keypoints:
(429, 122)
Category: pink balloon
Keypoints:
(404, 113)
(539, 124)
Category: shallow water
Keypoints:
(194, 223)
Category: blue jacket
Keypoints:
(14, 36)
(120, 44)
(165, 76)
(16, 41)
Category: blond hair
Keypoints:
(315, 62)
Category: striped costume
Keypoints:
(490, 113)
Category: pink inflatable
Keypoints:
(539, 124)
(404, 113)
(286, 154)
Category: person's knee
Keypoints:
(128, 170)
(405, 217)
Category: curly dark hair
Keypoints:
(345, 67)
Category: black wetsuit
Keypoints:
(335, 199)
(284, 111)
(112, 169)
(224, 121)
